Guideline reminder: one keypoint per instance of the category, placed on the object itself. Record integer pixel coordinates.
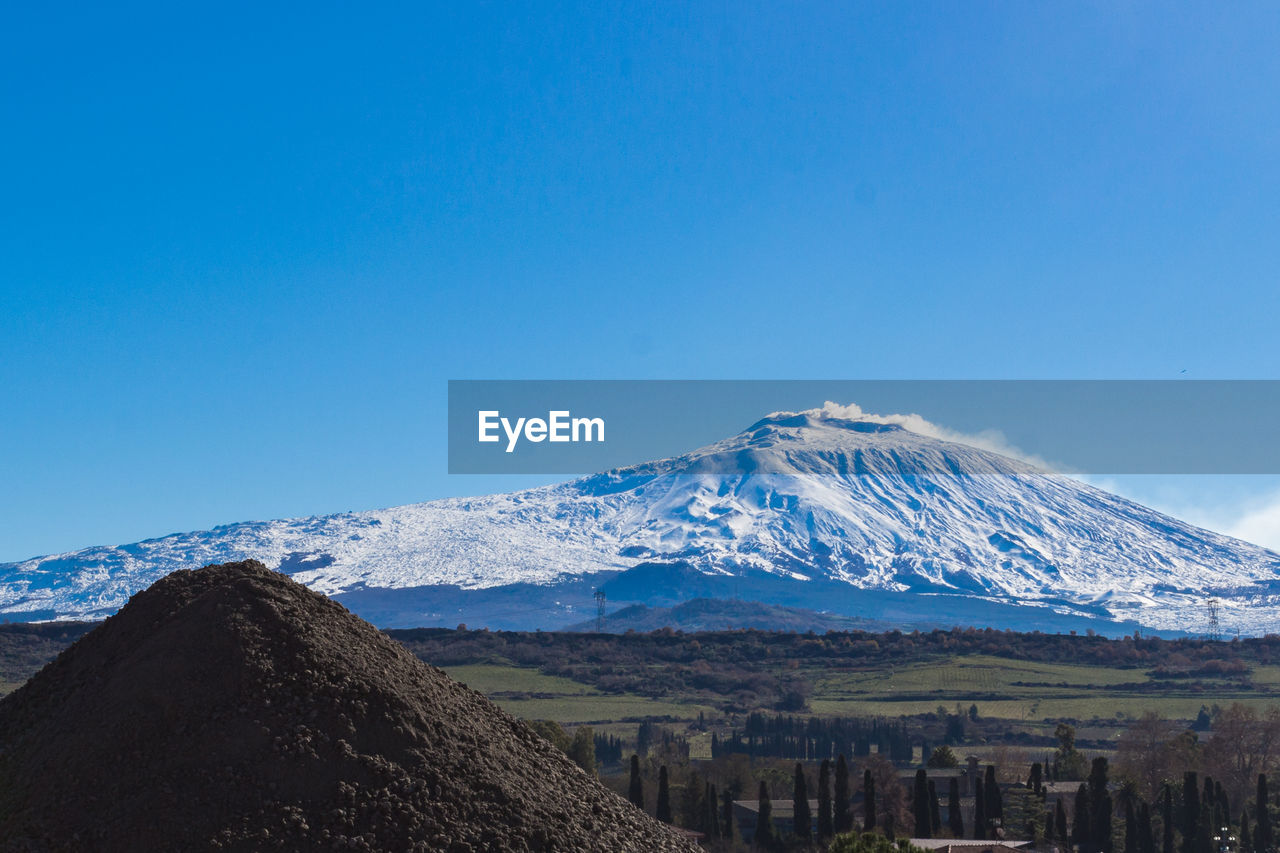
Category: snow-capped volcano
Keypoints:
(808, 497)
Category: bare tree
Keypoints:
(1243, 744)
(1154, 751)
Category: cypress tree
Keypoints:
(800, 806)
(764, 819)
(582, 749)
(1146, 839)
(664, 796)
(920, 805)
(1262, 838)
(1204, 840)
(935, 814)
(826, 820)
(868, 801)
(1190, 812)
(995, 803)
(1036, 780)
(1101, 834)
(693, 811)
(713, 812)
(979, 810)
(955, 817)
(843, 816)
(1130, 827)
(888, 826)
(1246, 843)
(1060, 823)
(1166, 818)
(635, 793)
(1081, 822)
(726, 816)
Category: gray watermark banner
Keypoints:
(1098, 427)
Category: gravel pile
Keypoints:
(231, 708)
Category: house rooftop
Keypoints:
(967, 845)
(972, 845)
(781, 808)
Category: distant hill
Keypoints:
(709, 614)
(25, 648)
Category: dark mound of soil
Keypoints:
(231, 708)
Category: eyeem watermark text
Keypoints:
(558, 426)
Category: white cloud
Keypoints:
(988, 439)
(1244, 506)
(1259, 525)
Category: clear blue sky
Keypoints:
(243, 249)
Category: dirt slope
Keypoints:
(231, 708)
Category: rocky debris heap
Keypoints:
(231, 708)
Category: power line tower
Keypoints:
(1215, 629)
(599, 611)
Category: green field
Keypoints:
(530, 695)
(975, 675)
(1028, 710)
(1266, 676)
(1022, 690)
(496, 680)
(1014, 690)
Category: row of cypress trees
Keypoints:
(988, 811)
(1203, 812)
(716, 819)
(1193, 820)
(835, 815)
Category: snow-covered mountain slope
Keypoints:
(805, 497)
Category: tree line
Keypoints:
(815, 738)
